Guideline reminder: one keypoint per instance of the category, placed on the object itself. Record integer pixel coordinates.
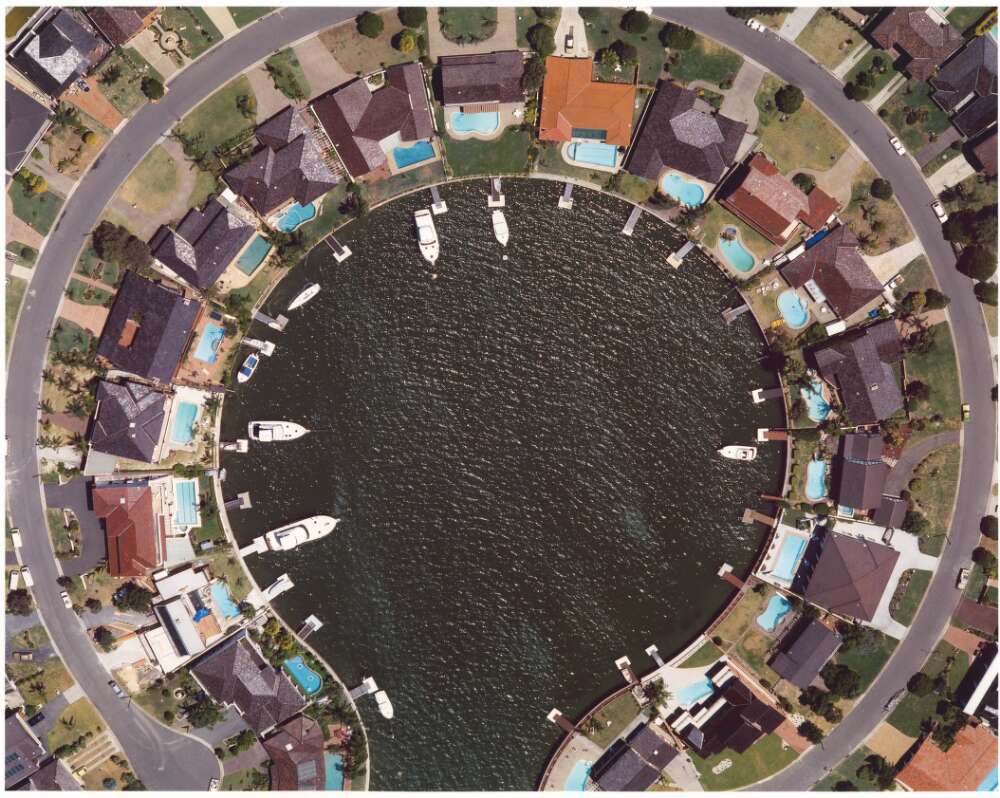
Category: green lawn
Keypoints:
(606, 29)
(847, 770)
(550, 160)
(914, 116)
(468, 24)
(868, 656)
(153, 183)
(246, 780)
(880, 77)
(719, 218)
(218, 119)
(938, 369)
(909, 713)
(895, 230)
(397, 184)
(972, 194)
(205, 185)
(211, 527)
(828, 40)
(917, 276)
(244, 15)
(224, 563)
(706, 60)
(16, 18)
(806, 139)
(38, 211)
(935, 494)
(40, 682)
(759, 761)
(196, 29)
(156, 703)
(287, 74)
(62, 541)
(329, 215)
(68, 335)
(910, 599)
(32, 638)
(506, 155)
(977, 581)
(86, 294)
(125, 93)
(23, 254)
(77, 719)
(614, 717)
(90, 265)
(15, 289)
(526, 19)
(964, 17)
(950, 153)
(706, 655)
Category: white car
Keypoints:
(116, 689)
(29, 580)
(940, 212)
(66, 600)
(15, 537)
(897, 145)
(755, 25)
(213, 785)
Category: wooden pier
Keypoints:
(438, 206)
(632, 220)
(729, 315)
(275, 324)
(753, 516)
(496, 198)
(557, 717)
(764, 435)
(726, 574)
(760, 395)
(675, 259)
(340, 252)
(566, 200)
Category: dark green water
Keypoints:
(523, 453)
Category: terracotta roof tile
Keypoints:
(134, 538)
(572, 99)
(924, 43)
(959, 769)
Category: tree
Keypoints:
(788, 99)
(920, 684)
(117, 245)
(918, 391)
(109, 784)
(677, 37)
(152, 88)
(986, 293)
(876, 769)
(986, 560)
(804, 182)
(936, 300)
(205, 713)
(842, 681)
(635, 21)
(845, 786)
(110, 75)
(370, 25)
(542, 39)
(132, 597)
(534, 75)
(548, 13)
(988, 526)
(19, 602)
(104, 638)
(855, 92)
(94, 604)
(881, 189)
(811, 732)
(89, 138)
(412, 16)
(977, 262)
(626, 53)
(354, 203)
(406, 41)
(914, 303)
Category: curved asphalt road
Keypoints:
(868, 133)
(162, 758)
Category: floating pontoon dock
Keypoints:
(654, 652)
(240, 445)
(496, 198)
(759, 395)
(764, 434)
(241, 502)
(675, 259)
(340, 252)
(309, 625)
(729, 315)
(279, 586)
(438, 206)
(367, 687)
(632, 219)
(275, 324)
(566, 203)
(258, 546)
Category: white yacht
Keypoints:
(739, 452)
(427, 235)
(304, 296)
(384, 704)
(290, 536)
(264, 347)
(500, 228)
(248, 368)
(271, 431)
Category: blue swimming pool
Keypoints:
(696, 691)
(684, 191)
(777, 608)
(483, 122)
(816, 480)
(736, 254)
(415, 153)
(334, 771)
(576, 781)
(296, 215)
(224, 601)
(307, 678)
(186, 511)
(788, 557)
(183, 430)
(208, 345)
(793, 309)
(253, 255)
(817, 407)
(990, 783)
(594, 152)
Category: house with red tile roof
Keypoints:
(964, 767)
(296, 753)
(577, 107)
(135, 533)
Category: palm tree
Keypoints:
(45, 406)
(48, 376)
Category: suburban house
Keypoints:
(833, 271)
(367, 123)
(850, 576)
(977, 692)
(120, 24)
(974, 615)
(235, 673)
(129, 421)
(918, 41)
(967, 766)
(635, 763)
(58, 50)
(479, 84)
(27, 766)
(296, 753)
(859, 364)
(770, 203)
(149, 328)
(966, 87)
(679, 133)
(289, 167)
(27, 120)
(134, 531)
(859, 473)
(203, 246)
(891, 512)
(575, 107)
(803, 652)
(984, 153)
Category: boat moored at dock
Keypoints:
(271, 431)
(291, 536)
(384, 704)
(427, 235)
(248, 368)
(500, 229)
(739, 452)
(304, 296)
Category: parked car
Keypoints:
(29, 580)
(116, 689)
(966, 412)
(67, 601)
(24, 656)
(569, 40)
(940, 212)
(35, 719)
(963, 578)
(897, 145)
(213, 785)
(755, 25)
(15, 537)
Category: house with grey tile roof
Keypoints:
(363, 124)
(966, 87)
(26, 122)
(481, 78)
(53, 54)
(120, 24)
(803, 652)
(128, 421)
(204, 244)
(891, 512)
(22, 751)
(859, 472)
(850, 575)
(677, 134)
(149, 328)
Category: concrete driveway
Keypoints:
(738, 102)
(73, 496)
(570, 20)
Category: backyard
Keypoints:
(828, 39)
(506, 155)
(286, 72)
(120, 79)
(911, 711)
(914, 116)
(609, 722)
(196, 29)
(604, 28)
(38, 211)
(933, 490)
(218, 120)
(719, 218)
(705, 60)
(909, 593)
(705, 655)
(763, 758)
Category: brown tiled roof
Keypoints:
(128, 420)
(804, 651)
(859, 471)
(488, 77)
(986, 154)
(972, 71)
(975, 117)
(924, 43)
(769, 202)
(134, 538)
(121, 23)
(978, 616)
(851, 575)
(962, 768)
(296, 753)
(675, 135)
(572, 99)
(357, 119)
(836, 265)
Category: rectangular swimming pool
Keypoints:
(186, 497)
(183, 430)
(594, 152)
(254, 255)
(415, 153)
(788, 557)
(334, 771)
(695, 692)
(209, 343)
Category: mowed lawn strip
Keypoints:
(706, 655)
(12, 304)
(506, 155)
(763, 758)
(38, 211)
(244, 15)
(152, 183)
(938, 369)
(913, 709)
(218, 119)
(912, 595)
(705, 60)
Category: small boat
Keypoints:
(427, 235)
(290, 536)
(500, 228)
(248, 368)
(384, 704)
(304, 296)
(264, 347)
(739, 452)
(271, 431)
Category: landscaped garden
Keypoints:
(87, 294)
(944, 668)
(193, 25)
(467, 25)
(873, 72)
(804, 139)
(527, 18)
(909, 593)
(604, 28)
(932, 491)
(286, 72)
(879, 224)
(120, 79)
(36, 208)
(219, 121)
(914, 116)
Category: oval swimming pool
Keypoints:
(736, 254)
(777, 608)
(684, 191)
(793, 309)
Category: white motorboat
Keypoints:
(291, 536)
(427, 235)
(739, 452)
(248, 368)
(384, 704)
(500, 228)
(304, 296)
(271, 431)
(264, 347)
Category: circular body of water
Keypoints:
(523, 453)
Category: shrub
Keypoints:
(406, 41)
(635, 21)
(881, 189)
(855, 92)
(89, 138)
(811, 732)
(986, 560)
(841, 680)
(132, 597)
(412, 16)
(104, 638)
(977, 262)
(920, 684)
(370, 25)
(542, 39)
(117, 245)
(804, 182)
(677, 37)
(988, 526)
(534, 75)
(19, 602)
(94, 604)
(986, 293)
(788, 99)
(626, 53)
(109, 784)
(152, 88)
(936, 300)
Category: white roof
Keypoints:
(180, 626)
(181, 582)
(158, 647)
